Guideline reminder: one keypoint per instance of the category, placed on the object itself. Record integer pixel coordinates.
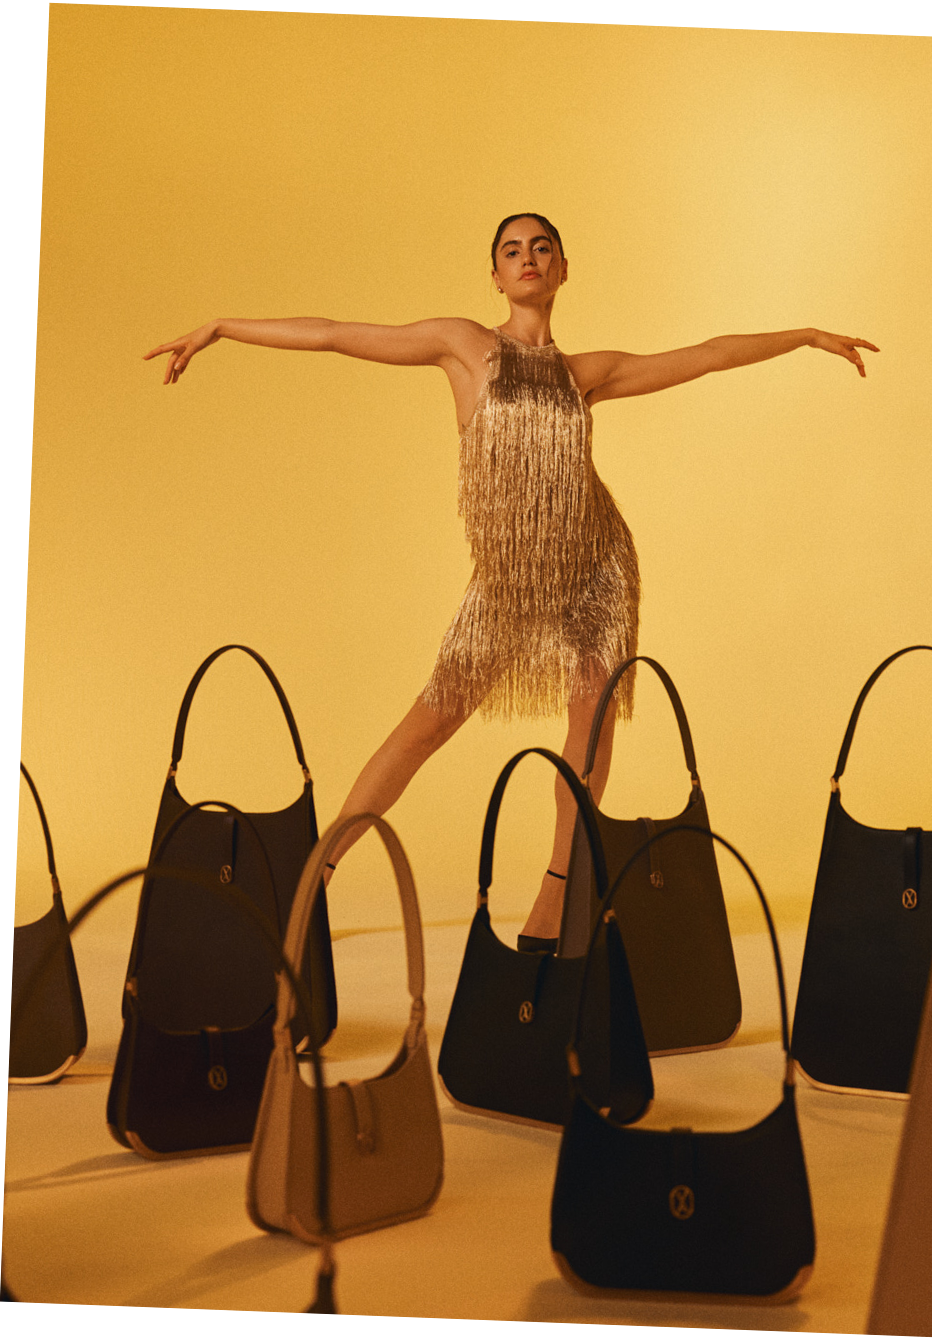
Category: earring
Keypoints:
(501, 290)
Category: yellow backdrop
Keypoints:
(206, 163)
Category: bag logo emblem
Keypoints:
(682, 1202)
(217, 1077)
(526, 1012)
(226, 874)
(910, 898)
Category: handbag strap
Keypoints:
(849, 733)
(49, 851)
(583, 802)
(607, 915)
(602, 708)
(178, 743)
(309, 885)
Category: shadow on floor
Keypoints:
(239, 1263)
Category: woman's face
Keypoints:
(527, 262)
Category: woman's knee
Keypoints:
(427, 729)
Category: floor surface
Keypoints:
(88, 1222)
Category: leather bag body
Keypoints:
(198, 1003)
(868, 946)
(682, 1211)
(48, 1028)
(385, 1161)
(672, 913)
(512, 1016)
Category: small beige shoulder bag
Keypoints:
(383, 1140)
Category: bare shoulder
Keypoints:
(467, 340)
(595, 372)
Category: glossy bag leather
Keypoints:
(287, 835)
(683, 1211)
(198, 1003)
(512, 1016)
(672, 915)
(383, 1133)
(868, 946)
(48, 1028)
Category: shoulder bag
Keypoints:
(287, 836)
(504, 1046)
(868, 947)
(672, 914)
(199, 996)
(383, 1133)
(49, 1033)
(683, 1211)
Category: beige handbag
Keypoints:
(384, 1151)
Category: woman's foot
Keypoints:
(547, 912)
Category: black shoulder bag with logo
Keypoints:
(504, 1046)
(48, 1036)
(690, 1212)
(672, 915)
(868, 946)
(287, 836)
(198, 1004)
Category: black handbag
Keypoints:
(868, 947)
(689, 1212)
(48, 1030)
(504, 1046)
(672, 915)
(198, 1004)
(287, 836)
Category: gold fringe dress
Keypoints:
(552, 605)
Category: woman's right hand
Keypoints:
(181, 351)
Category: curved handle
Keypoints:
(583, 802)
(178, 742)
(306, 895)
(602, 708)
(185, 815)
(849, 733)
(45, 828)
(607, 913)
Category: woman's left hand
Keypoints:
(843, 345)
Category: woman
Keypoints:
(552, 604)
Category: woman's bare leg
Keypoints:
(420, 733)
(544, 920)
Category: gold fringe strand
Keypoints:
(553, 602)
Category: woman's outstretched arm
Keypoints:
(422, 343)
(610, 375)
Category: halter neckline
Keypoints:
(535, 348)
